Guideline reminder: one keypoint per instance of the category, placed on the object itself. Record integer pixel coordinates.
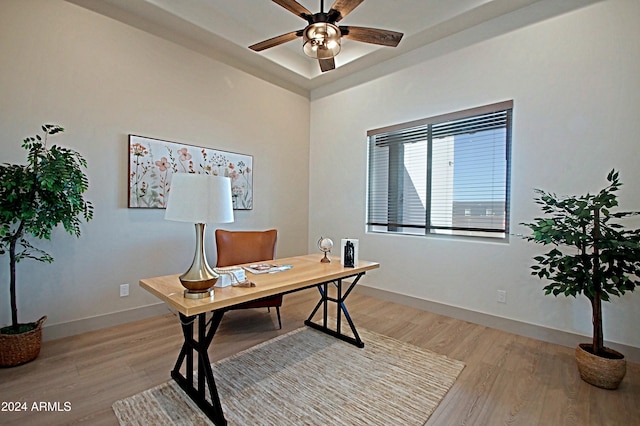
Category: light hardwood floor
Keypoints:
(508, 379)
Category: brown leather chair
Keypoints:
(236, 247)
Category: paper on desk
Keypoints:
(266, 268)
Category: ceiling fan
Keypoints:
(321, 38)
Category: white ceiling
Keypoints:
(223, 30)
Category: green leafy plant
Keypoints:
(593, 253)
(34, 199)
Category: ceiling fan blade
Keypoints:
(294, 7)
(372, 35)
(275, 41)
(342, 8)
(327, 64)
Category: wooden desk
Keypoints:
(307, 271)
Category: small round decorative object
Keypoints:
(325, 245)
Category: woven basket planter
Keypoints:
(603, 372)
(17, 349)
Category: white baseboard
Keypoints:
(71, 328)
(631, 353)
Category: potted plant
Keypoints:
(593, 255)
(34, 199)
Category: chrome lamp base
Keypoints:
(200, 278)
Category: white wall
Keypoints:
(103, 80)
(575, 83)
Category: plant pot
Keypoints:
(18, 349)
(602, 371)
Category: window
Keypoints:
(442, 175)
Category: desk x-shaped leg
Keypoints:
(198, 387)
(341, 309)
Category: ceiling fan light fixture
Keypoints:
(321, 40)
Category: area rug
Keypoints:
(306, 377)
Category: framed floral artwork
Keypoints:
(152, 163)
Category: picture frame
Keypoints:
(152, 163)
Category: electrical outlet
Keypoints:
(502, 296)
(124, 290)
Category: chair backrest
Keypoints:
(235, 247)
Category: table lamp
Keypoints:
(199, 199)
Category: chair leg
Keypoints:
(279, 320)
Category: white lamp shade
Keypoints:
(199, 198)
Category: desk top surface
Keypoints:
(307, 270)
